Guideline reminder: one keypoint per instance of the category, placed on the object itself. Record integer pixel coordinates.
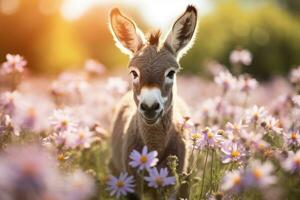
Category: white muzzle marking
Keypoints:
(150, 96)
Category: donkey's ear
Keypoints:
(126, 34)
(181, 35)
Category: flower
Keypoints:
(292, 138)
(292, 162)
(225, 80)
(116, 85)
(236, 128)
(80, 186)
(32, 173)
(233, 153)
(120, 186)
(8, 101)
(295, 75)
(255, 114)
(271, 124)
(62, 120)
(241, 56)
(83, 138)
(94, 68)
(186, 123)
(159, 179)
(14, 63)
(232, 181)
(143, 160)
(210, 138)
(259, 174)
(246, 83)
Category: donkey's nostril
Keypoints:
(144, 107)
(155, 106)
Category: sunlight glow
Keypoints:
(159, 14)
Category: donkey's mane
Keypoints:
(154, 38)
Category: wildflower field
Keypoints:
(244, 136)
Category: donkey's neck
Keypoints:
(157, 136)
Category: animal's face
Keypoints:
(153, 66)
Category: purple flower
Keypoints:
(233, 153)
(232, 182)
(143, 160)
(62, 120)
(82, 138)
(159, 179)
(292, 138)
(14, 63)
(210, 138)
(259, 174)
(292, 162)
(121, 186)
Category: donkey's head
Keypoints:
(153, 65)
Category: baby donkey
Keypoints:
(148, 114)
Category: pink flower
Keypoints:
(226, 80)
(295, 75)
(93, 67)
(242, 56)
(292, 138)
(292, 163)
(14, 63)
(116, 85)
(62, 120)
(255, 114)
(271, 124)
(246, 83)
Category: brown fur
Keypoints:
(151, 64)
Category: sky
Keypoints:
(157, 13)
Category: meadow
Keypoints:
(55, 135)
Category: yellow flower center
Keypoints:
(210, 135)
(64, 123)
(159, 181)
(143, 159)
(120, 184)
(297, 161)
(31, 112)
(257, 173)
(235, 154)
(236, 180)
(196, 136)
(294, 136)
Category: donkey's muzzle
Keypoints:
(150, 113)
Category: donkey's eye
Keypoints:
(171, 74)
(134, 74)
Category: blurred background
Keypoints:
(55, 35)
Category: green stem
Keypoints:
(142, 185)
(203, 174)
(211, 170)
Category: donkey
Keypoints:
(148, 114)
